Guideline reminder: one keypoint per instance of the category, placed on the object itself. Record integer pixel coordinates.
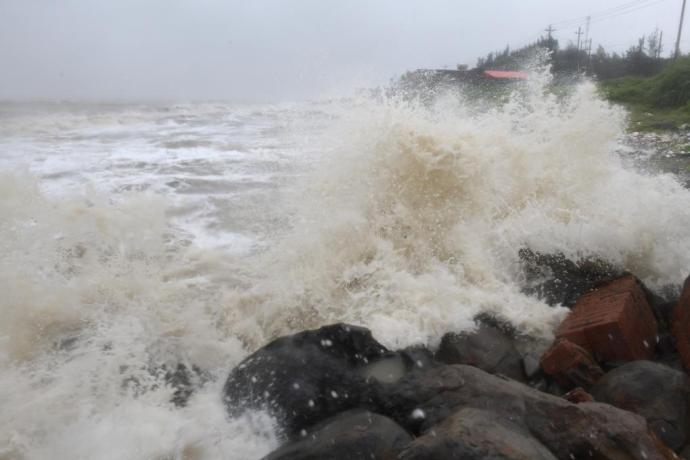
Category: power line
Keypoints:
(620, 9)
(615, 9)
(611, 16)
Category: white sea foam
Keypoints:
(414, 226)
(398, 216)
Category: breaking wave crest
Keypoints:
(99, 300)
(414, 225)
(410, 222)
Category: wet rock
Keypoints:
(570, 365)
(614, 322)
(561, 281)
(587, 430)
(183, 379)
(418, 357)
(578, 395)
(685, 453)
(664, 311)
(531, 366)
(661, 303)
(476, 434)
(388, 369)
(654, 391)
(665, 345)
(680, 324)
(352, 435)
(306, 377)
(488, 348)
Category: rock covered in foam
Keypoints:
(559, 280)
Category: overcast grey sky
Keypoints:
(278, 49)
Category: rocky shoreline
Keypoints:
(612, 385)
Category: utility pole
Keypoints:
(577, 56)
(658, 47)
(589, 56)
(680, 30)
(549, 43)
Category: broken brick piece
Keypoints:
(570, 365)
(613, 322)
(680, 324)
(578, 395)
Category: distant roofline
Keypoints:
(511, 74)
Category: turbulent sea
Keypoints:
(134, 237)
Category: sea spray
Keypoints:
(405, 218)
(97, 296)
(414, 226)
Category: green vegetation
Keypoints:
(643, 59)
(655, 89)
(658, 102)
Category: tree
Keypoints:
(643, 59)
(654, 45)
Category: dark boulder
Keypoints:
(476, 434)
(421, 400)
(680, 324)
(306, 377)
(559, 280)
(489, 348)
(652, 390)
(352, 435)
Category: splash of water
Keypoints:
(410, 223)
(414, 226)
(97, 297)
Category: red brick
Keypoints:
(578, 395)
(680, 324)
(613, 322)
(570, 364)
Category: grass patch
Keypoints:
(656, 103)
(646, 118)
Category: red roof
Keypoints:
(505, 74)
